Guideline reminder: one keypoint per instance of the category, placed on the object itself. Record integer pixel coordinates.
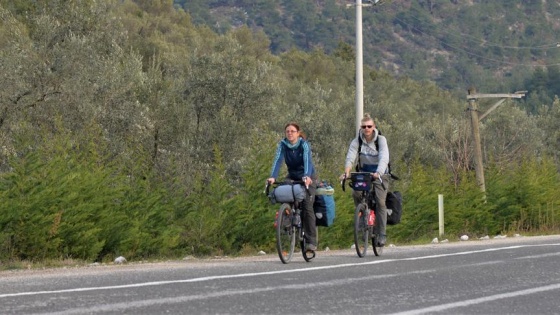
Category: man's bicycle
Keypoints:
(364, 214)
(288, 223)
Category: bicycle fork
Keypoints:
(368, 219)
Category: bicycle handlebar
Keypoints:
(343, 182)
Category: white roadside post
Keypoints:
(441, 223)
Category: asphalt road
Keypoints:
(507, 276)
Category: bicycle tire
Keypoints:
(361, 230)
(308, 255)
(377, 250)
(285, 233)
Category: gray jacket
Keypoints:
(372, 159)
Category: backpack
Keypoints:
(395, 177)
(394, 202)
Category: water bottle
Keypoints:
(371, 218)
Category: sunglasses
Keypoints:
(367, 126)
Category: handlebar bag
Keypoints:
(361, 181)
(288, 193)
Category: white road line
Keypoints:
(539, 256)
(448, 306)
(211, 295)
(245, 275)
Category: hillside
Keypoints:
(494, 45)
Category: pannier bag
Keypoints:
(324, 188)
(394, 207)
(288, 193)
(361, 181)
(324, 210)
(327, 190)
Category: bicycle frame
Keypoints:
(289, 226)
(365, 217)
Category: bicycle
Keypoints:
(364, 214)
(288, 222)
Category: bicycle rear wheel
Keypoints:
(309, 255)
(285, 234)
(377, 250)
(361, 231)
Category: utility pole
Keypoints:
(479, 169)
(360, 60)
(472, 97)
(359, 68)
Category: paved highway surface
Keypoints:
(508, 276)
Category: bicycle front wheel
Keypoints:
(285, 233)
(361, 231)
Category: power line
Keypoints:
(485, 42)
(478, 55)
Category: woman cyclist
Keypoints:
(295, 151)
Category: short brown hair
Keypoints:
(367, 117)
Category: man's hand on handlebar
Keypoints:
(342, 179)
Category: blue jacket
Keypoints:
(297, 158)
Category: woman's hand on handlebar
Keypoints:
(307, 181)
(269, 183)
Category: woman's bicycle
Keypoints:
(288, 223)
(364, 214)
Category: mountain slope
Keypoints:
(494, 45)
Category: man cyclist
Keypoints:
(374, 159)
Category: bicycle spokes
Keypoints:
(285, 234)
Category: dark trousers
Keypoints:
(308, 214)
